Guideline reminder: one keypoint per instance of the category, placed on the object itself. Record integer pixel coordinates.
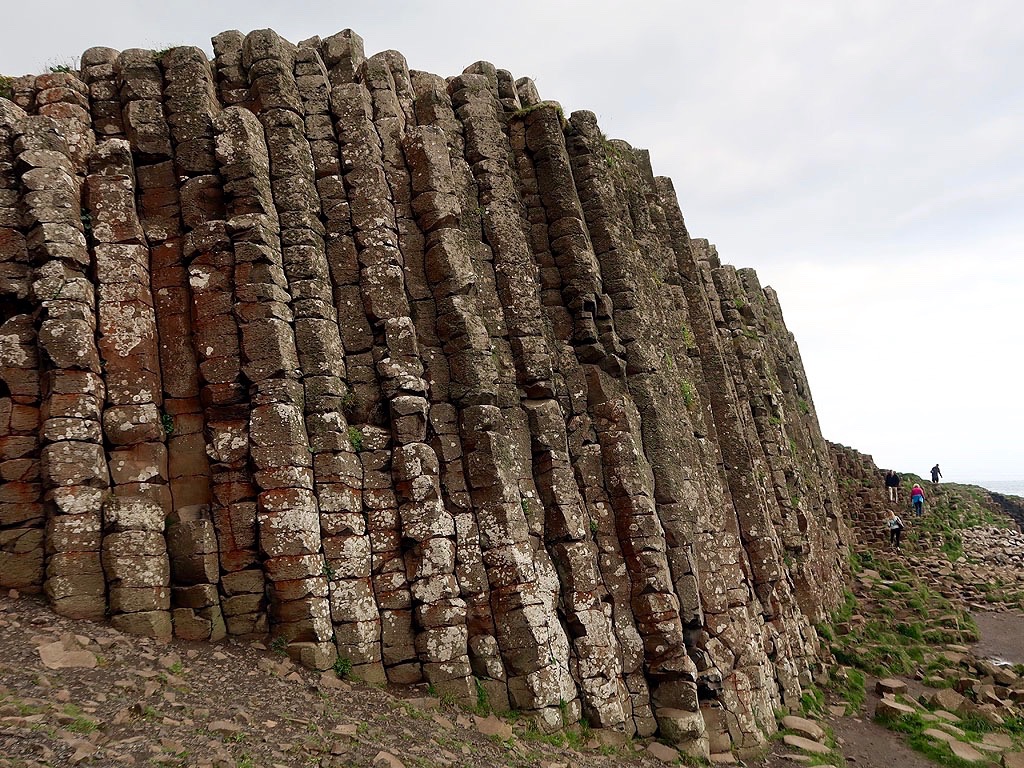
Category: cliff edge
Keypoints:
(415, 374)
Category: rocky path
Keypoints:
(75, 693)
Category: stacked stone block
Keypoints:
(73, 466)
(134, 548)
(190, 104)
(21, 510)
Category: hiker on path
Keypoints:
(895, 525)
(936, 474)
(892, 484)
(917, 499)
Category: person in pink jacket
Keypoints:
(917, 499)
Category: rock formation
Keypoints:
(406, 371)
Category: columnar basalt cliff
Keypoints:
(408, 371)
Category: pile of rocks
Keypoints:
(944, 710)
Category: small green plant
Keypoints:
(343, 667)
(176, 668)
(593, 527)
(483, 704)
(348, 402)
(6, 87)
(355, 437)
(167, 422)
(279, 645)
(328, 572)
(688, 392)
(81, 725)
(803, 406)
(688, 337)
(60, 68)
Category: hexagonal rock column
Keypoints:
(134, 550)
(322, 268)
(287, 510)
(21, 509)
(72, 462)
(190, 102)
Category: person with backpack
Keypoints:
(892, 485)
(917, 499)
(895, 525)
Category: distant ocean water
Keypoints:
(1007, 487)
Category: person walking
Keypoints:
(892, 485)
(917, 499)
(895, 525)
(936, 474)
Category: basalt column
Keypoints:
(571, 293)
(21, 510)
(134, 548)
(72, 460)
(524, 584)
(428, 527)
(190, 104)
(709, 579)
(287, 511)
(435, 156)
(330, 263)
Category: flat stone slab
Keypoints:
(663, 752)
(998, 740)
(893, 708)
(804, 727)
(890, 685)
(935, 733)
(949, 717)
(966, 752)
(807, 745)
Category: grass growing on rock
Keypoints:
(899, 621)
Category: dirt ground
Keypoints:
(238, 705)
(1002, 636)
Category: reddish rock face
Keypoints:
(413, 373)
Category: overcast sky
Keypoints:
(866, 158)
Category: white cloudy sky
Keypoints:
(867, 158)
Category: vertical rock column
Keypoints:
(382, 296)
(337, 470)
(21, 510)
(570, 266)
(757, 509)
(232, 85)
(586, 230)
(469, 377)
(190, 103)
(72, 461)
(317, 341)
(428, 528)
(98, 72)
(134, 550)
(521, 591)
(739, 673)
(287, 512)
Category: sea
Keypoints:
(1005, 487)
